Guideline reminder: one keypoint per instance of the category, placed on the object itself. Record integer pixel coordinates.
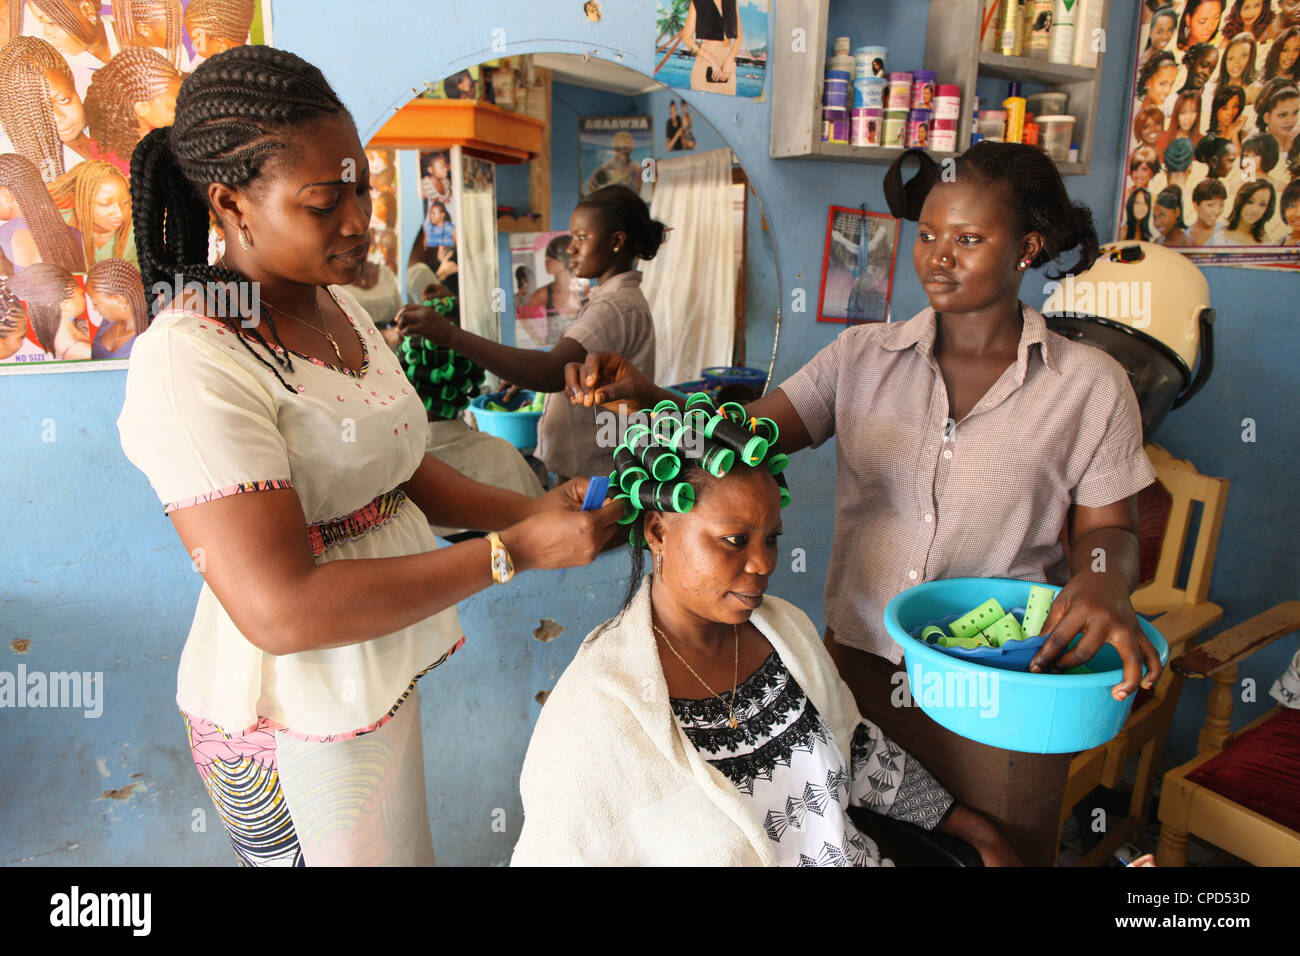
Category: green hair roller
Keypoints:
(717, 461)
(776, 464)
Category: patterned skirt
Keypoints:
(292, 799)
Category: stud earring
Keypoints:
(1024, 264)
(244, 241)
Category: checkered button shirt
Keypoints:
(918, 498)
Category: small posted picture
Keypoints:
(548, 296)
(613, 150)
(678, 135)
(462, 85)
(712, 46)
(858, 266)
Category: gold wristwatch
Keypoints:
(503, 569)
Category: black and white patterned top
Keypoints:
(784, 758)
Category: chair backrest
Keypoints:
(1186, 486)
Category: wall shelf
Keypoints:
(952, 50)
(484, 129)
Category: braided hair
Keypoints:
(25, 110)
(44, 287)
(136, 75)
(76, 190)
(228, 20)
(663, 465)
(119, 278)
(54, 240)
(14, 9)
(126, 13)
(235, 112)
(67, 21)
(12, 314)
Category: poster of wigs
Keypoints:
(547, 295)
(712, 46)
(83, 82)
(858, 266)
(1211, 153)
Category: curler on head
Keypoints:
(676, 496)
(627, 468)
(750, 448)
(776, 463)
(717, 461)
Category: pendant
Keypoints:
(732, 723)
(336, 347)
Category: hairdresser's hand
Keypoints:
(606, 378)
(566, 497)
(1099, 606)
(993, 847)
(426, 321)
(558, 538)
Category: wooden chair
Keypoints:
(1183, 612)
(1259, 764)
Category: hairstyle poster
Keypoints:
(678, 135)
(385, 228)
(82, 84)
(712, 46)
(858, 266)
(547, 294)
(1212, 154)
(615, 151)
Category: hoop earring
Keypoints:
(244, 241)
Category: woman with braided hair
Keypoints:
(31, 229)
(154, 24)
(218, 25)
(118, 295)
(705, 725)
(96, 200)
(134, 93)
(13, 323)
(926, 414)
(57, 307)
(41, 111)
(288, 446)
(75, 29)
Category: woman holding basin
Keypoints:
(970, 440)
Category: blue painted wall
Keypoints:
(95, 578)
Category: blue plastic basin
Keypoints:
(518, 428)
(1031, 713)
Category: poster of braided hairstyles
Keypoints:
(83, 82)
(1212, 154)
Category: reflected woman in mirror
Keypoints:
(921, 413)
(610, 230)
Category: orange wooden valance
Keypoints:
(483, 129)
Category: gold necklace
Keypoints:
(735, 679)
(320, 315)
